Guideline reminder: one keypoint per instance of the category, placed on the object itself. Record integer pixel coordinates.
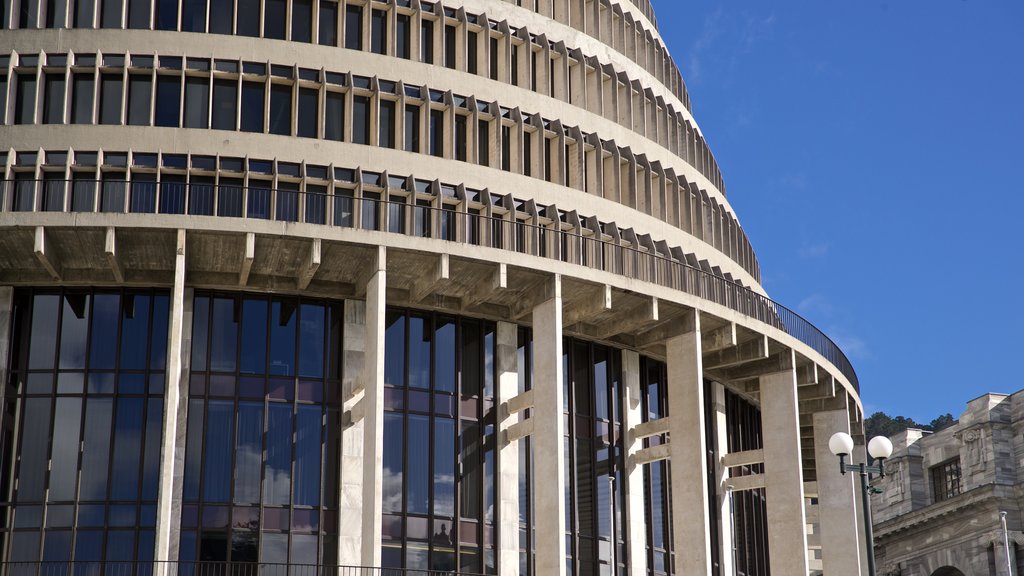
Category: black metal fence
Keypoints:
(286, 202)
(89, 568)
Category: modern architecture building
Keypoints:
(444, 285)
(937, 511)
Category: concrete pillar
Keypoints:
(784, 482)
(547, 439)
(350, 482)
(688, 454)
(632, 415)
(506, 359)
(371, 381)
(6, 309)
(724, 502)
(172, 450)
(837, 502)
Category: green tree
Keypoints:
(881, 424)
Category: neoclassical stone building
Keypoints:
(427, 285)
(937, 512)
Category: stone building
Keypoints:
(429, 285)
(938, 509)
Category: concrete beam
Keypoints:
(649, 428)
(755, 369)
(46, 256)
(428, 283)
(718, 339)
(312, 265)
(518, 431)
(588, 306)
(824, 391)
(650, 454)
(746, 458)
(749, 351)
(543, 291)
(247, 258)
(486, 290)
(518, 403)
(748, 482)
(637, 318)
(110, 250)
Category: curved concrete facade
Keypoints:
(528, 169)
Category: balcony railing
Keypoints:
(205, 568)
(607, 250)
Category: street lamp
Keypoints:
(879, 448)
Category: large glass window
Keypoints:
(309, 103)
(334, 116)
(248, 18)
(386, 124)
(25, 99)
(84, 14)
(328, 35)
(166, 14)
(82, 87)
(361, 119)
(139, 14)
(750, 528)
(193, 15)
(412, 128)
(168, 100)
(302, 20)
(222, 14)
(87, 376)
(140, 95)
(110, 98)
(197, 102)
(403, 23)
(275, 18)
(439, 410)
(280, 109)
(225, 104)
(53, 99)
(110, 13)
(261, 463)
(353, 27)
(252, 106)
(379, 32)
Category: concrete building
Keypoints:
(433, 285)
(937, 512)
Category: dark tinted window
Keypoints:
(274, 19)
(280, 109)
(354, 27)
(138, 14)
(334, 116)
(386, 123)
(110, 14)
(252, 107)
(309, 99)
(361, 119)
(110, 99)
(197, 102)
(379, 32)
(302, 20)
(248, 23)
(402, 30)
(168, 100)
(222, 16)
(167, 14)
(140, 88)
(53, 104)
(193, 14)
(25, 99)
(81, 105)
(225, 104)
(328, 23)
(412, 128)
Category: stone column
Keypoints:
(548, 430)
(632, 414)
(784, 482)
(172, 450)
(507, 359)
(371, 381)
(688, 453)
(350, 483)
(837, 502)
(724, 503)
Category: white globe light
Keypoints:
(840, 444)
(880, 447)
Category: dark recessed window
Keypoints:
(25, 99)
(53, 103)
(471, 52)
(193, 15)
(274, 19)
(946, 479)
(379, 32)
(449, 46)
(436, 132)
(167, 14)
(83, 17)
(197, 102)
(483, 139)
(252, 106)
(225, 104)
(334, 116)
(82, 87)
(248, 19)
(110, 14)
(386, 124)
(353, 27)
(302, 20)
(361, 119)
(427, 41)
(460, 137)
(402, 31)
(222, 14)
(139, 14)
(168, 101)
(412, 128)
(328, 35)
(309, 100)
(140, 89)
(280, 109)
(110, 98)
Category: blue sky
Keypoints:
(874, 153)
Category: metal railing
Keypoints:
(625, 256)
(204, 568)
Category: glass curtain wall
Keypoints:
(743, 421)
(592, 395)
(657, 484)
(82, 427)
(439, 443)
(261, 463)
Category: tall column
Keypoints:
(783, 474)
(371, 381)
(172, 450)
(548, 430)
(837, 502)
(688, 453)
(506, 358)
(350, 484)
(724, 503)
(6, 309)
(632, 415)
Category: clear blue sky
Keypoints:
(874, 153)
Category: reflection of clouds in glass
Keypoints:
(277, 486)
(392, 489)
(444, 494)
(248, 460)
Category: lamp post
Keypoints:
(879, 448)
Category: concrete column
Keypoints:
(507, 360)
(784, 482)
(837, 503)
(724, 503)
(860, 454)
(6, 309)
(172, 450)
(688, 453)
(371, 380)
(350, 483)
(632, 415)
(547, 439)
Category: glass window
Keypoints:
(361, 119)
(287, 202)
(53, 105)
(328, 23)
(386, 124)
(402, 31)
(225, 104)
(460, 137)
(138, 14)
(274, 19)
(427, 41)
(449, 46)
(334, 116)
(3, 97)
(309, 101)
(84, 14)
(252, 106)
(168, 100)
(167, 14)
(222, 13)
(353, 27)
(29, 13)
(248, 18)
(471, 53)
(412, 128)
(25, 99)
(379, 32)
(193, 15)
(82, 86)
(140, 88)
(436, 132)
(282, 338)
(229, 197)
(110, 14)
(197, 102)
(254, 336)
(394, 345)
(280, 109)
(110, 98)
(302, 20)
(224, 335)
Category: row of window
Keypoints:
(353, 24)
